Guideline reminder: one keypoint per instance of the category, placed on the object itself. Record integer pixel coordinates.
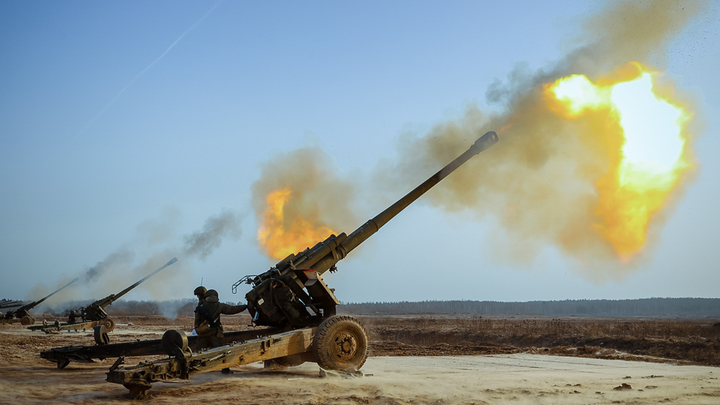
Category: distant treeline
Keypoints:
(648, 307)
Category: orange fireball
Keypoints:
(280, 234)
(647, 149)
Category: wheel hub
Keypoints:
(345, 345)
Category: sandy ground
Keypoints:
(517, 378)
(520, 378)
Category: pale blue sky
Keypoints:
(117, 117)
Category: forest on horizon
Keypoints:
(646, 307)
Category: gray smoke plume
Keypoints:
(121, 258)
(202, 243)
(154, 244)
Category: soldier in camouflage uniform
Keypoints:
(207, 319)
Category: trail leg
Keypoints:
(138, 390)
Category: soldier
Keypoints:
(72, 316)
(200, 294)
(207, 320)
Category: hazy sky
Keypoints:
(133, 132)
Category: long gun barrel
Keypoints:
(326, 254)
(24, 310)
(127, 290)
(370, 227)
(96, 312)
(278, 296)
(9, 303)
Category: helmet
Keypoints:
(200, 291)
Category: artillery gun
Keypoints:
(23, 313)
(294, 301)
(94, 315)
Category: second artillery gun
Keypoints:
(22, 314)
(292, 299)
(94, 315)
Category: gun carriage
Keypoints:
(88, 354)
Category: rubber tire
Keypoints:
(109, 324)
(27, 320)
(341, 343)
(100, 335)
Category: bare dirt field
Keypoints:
(414, 360)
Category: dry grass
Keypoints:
(689, 341)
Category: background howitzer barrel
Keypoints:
(125, 291)
(279, 296)
(96, 310)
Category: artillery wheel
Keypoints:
(286, 361)
(175, 342)
(109, 324)
(62, 363)
(27, 320)
(340, 343)
(101, 336)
